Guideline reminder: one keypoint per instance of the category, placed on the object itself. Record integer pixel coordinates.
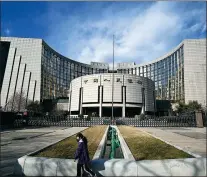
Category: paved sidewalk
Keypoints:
(190, 139)
(17, 143)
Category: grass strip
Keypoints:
(146, 147)
(67, 147)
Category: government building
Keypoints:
(32, 70)
(132, 95)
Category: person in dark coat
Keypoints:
(82, 155)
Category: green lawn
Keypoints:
(67, 147)
(146, 147)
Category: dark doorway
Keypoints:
(49, 105)
(131, 112)
(117, 111)
(107, 111)
(92, 111)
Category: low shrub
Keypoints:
(88, 118)
(81, 116)
(142, 116)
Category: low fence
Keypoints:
(166, 121)
(61, 121)
(140, 121)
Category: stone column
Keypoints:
(70, 97)
(143, 101)
(199, 119)
(100, 99)
(142, 112)
(81, 98)
(124, 103)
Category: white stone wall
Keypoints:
(90, 91)
(23, 52)
(62, 106)
(133, 91)
(195, 70)
(75, 94)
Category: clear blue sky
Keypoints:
(83, 30)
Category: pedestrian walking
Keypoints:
(26, 117)
(82, 155)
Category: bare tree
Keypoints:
(17, 102)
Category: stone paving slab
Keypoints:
(17, 136)
(196, 135)
(26, 129)
(18, 148)
(39, 166)
(194, 145)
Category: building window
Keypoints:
(130, 80)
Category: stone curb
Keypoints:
(39, 166)
(99, 152)
(188, 152)
(7, 131)
(125, 149)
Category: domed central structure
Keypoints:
(132, 95)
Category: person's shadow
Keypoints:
(98, 165)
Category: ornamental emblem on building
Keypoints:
(139, 82)
(118, 80)
(130, 80)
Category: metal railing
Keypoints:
(113, 136)
(140, 121)
(61, 121)
(165, 121)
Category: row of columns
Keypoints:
(100, 102)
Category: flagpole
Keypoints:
(113, 83)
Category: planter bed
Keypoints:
(145, 147)
(65, 149)
(57, 159)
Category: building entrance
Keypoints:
(107, 111)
